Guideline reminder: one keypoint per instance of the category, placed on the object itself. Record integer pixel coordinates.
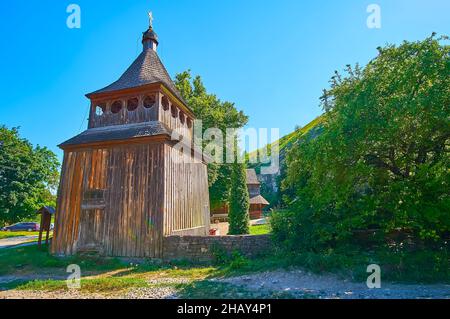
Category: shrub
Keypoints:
(381, 160)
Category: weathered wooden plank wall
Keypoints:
(130, 224)
(186, 203)
(149, 190)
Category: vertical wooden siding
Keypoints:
(149, 192)
(131, 222)
(186, 203)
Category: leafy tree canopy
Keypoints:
(214, 113)
(382, 159)
(28, 177)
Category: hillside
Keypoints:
(270, 183)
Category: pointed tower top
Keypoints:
(149, 37)
(150, 19)
(146, 69)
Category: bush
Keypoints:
(220, 254)
(238, 261)
(233, 261)
(381, 160)
(399, 261)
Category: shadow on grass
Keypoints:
(31, 268)
(22, 266)
(25, 258)
(35, 269)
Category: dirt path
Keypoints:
(14, 241)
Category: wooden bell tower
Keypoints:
(124, 186)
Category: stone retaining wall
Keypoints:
(205, 248)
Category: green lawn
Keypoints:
(260, 229)
(33, 259)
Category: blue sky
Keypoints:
(272, 58)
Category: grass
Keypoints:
(31, 258)
(122, 279)
(96, 285)
(195, 288)
(99, 275)
(8, 234)
(260, 229)
(286, 141)
(192, 272)
(111, 275)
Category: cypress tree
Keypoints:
(239, 201)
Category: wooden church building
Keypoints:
(257, 201)
(124, 185)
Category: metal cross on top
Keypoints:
(150, 19)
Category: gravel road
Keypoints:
(14, 241)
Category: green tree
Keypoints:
(28, 177)
(214, 113)
(239, 201)
(382, 159)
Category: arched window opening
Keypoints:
(182, 117)
(174, 110)
(132, 104)
(149, 101)
(165, 103)
(116, 107)
(100, 109)
(189, 122)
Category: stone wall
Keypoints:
(205, 248)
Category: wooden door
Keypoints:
(91, 231)
(91, 236)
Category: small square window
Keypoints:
(93, 199)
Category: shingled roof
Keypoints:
(252, 179)
(146, 69)
(258, 200)
(118, 132)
